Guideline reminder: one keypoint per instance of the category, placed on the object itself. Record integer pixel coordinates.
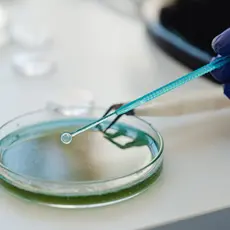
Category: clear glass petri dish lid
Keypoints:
(96, 169)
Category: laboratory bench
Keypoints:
(112, 57)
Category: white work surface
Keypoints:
(112, 57)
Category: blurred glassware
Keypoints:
(4, 37)
(32, 48)
(30, 36)
(139, 10)
(129, 8)
(33, 64)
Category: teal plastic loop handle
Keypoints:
(66, 138)
(217, 63)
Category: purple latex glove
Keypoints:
(221, 45)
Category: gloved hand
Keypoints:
(221, 46)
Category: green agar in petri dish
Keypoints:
(37, 152)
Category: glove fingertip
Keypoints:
(222, 74)
(227, 90)
(221, 43)
(217, 75)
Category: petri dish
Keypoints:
(96, 169)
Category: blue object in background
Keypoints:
(221, 45)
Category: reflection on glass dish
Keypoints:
(94, 170)
(70, 101)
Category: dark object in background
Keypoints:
(186, 29)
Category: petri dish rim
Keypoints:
(70, 183)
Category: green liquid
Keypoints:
(37, 151)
